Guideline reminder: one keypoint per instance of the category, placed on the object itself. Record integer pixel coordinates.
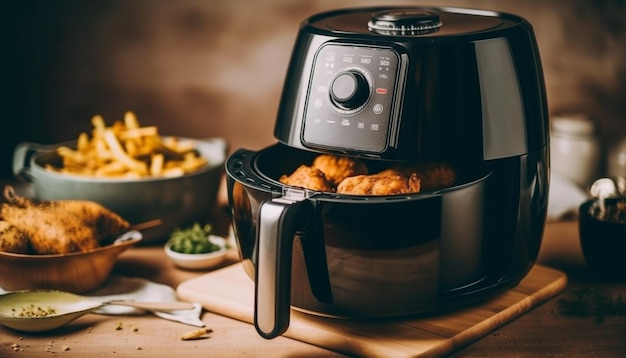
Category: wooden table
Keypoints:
(541, 332)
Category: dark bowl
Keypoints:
(603, 239)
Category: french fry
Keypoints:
(156, 168)
(195, 334)
(131, 147)
(139, 132)
(110, 169)
(97, 122)
(82, 143)
(130, 120)
(118, 153)
(173, 172)
(176, 145)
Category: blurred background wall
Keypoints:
(203, 68)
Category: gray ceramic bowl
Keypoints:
(177, 201)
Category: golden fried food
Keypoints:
(337, 168)
(104, 222)
(307, 177)
(63, 226)
(50, 230)
(195, 334)
(127, 150)
(433, 176)
(387, 182)
(347, 175)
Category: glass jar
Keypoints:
(575, 149)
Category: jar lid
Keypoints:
(574, 124)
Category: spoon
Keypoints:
(44, 310)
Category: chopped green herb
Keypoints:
(193, 240)
(32, 311)
(594, 303)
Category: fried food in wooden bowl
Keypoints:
(69, 245)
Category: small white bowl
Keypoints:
(199, 261)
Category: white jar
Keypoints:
(575, 149)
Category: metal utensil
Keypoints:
(44, 310)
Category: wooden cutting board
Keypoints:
(229, 292)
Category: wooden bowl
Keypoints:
(76, 272)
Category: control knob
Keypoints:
(350, 90)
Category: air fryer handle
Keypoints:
(279, 220)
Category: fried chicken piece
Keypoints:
(103, 222)
(307, 177)
(50, 230)
(387, 182)
(337, 168)
(433, 176)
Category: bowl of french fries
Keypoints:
(132, 170)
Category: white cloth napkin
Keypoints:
(130, 288)
(139, 289)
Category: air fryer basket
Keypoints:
(452, 247)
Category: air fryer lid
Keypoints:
(408, 21)
(415, 84)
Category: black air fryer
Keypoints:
(390, 86)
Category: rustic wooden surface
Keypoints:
(541, 332)
(230, 292)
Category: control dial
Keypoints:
(405, 22)
(350, 90)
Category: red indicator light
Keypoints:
(381, 90)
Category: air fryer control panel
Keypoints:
(350, 101)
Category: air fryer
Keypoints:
(393, 86)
